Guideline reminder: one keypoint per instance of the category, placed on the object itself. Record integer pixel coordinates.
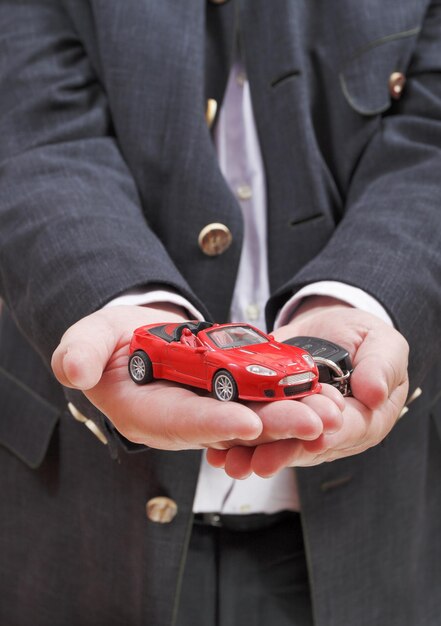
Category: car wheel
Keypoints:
(140, 368)
(224, 387)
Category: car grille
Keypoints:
(295, 389)
(295, 379)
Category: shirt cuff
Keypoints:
(140, 297)
(354, 296)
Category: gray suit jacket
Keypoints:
(107, 176)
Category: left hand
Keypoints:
(92, 357)
(379, 385)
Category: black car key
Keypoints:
(333, 361)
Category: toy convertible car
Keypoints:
(231, 360)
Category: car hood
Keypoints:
(275, 356)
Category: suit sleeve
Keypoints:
(389, 241)
(73, 233)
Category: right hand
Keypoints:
(379, 385)
(93, 354)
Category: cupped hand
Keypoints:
(93, 356)
(379, 386)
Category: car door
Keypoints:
(186, 364)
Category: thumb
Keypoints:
(380, 366)
(83, 352)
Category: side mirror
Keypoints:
(200, 350)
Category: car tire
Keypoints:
(224, 387)
(140, 368)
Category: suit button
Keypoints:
(397, 80)
(214, 239)
(210, 112)
(161, 510)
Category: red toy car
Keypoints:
(230, 360)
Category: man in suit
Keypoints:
(110, 186)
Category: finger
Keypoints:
(238, 462)
(83, 352)
(380, 366)
(333, 394)
(270, 458)
(195, 419)
(216, 458)
(287, 419)
(327, 409)
(355, 429)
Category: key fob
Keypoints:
(333, 362)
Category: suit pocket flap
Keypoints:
(27, 421)
(365, 78)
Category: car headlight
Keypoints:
(308, 358)
(260, 370)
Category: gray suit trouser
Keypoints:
(256, 577)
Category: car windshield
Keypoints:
(235, 337)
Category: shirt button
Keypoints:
(252, 312)
(161, 510)
(397, 80)
(241, 78)
(244, 192)
(215, 239)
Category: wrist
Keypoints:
(168, 308)
(314, 304)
